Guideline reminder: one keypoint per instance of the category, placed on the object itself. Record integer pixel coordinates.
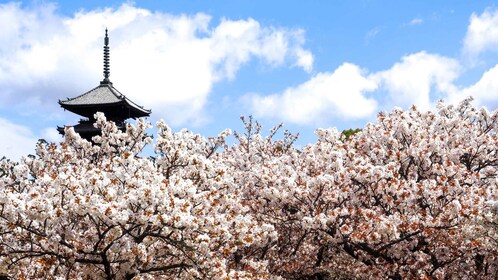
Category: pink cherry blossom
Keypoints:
(412, 196)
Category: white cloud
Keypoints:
(169, 63)
(485, 91)
(338, 94)
(51, 135)
(416, 21)
(232, 44)
(419, 79)
(482, 33)
(165, 62)
(18, 140)
(304, 59)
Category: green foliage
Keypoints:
(349, 132)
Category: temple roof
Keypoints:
(103, 96)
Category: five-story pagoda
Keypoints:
(104, 98)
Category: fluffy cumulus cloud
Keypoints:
(482, 33)
(170, 63)
(339, 94)
(485, 91)
(419, 79)
(482, 37)
(348, 92)
(162, 61)
(234, 42)
(18, 142)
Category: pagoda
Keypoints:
(104, 98)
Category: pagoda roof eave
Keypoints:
(109, 109)
(104, 96)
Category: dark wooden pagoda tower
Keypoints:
(104, 98)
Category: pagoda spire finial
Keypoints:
(107, 71)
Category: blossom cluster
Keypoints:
(413, 195)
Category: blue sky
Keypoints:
(201, 64)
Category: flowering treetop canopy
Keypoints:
(411, 196)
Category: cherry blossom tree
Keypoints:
(101, 212)
(413, 195)
(410, 196)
